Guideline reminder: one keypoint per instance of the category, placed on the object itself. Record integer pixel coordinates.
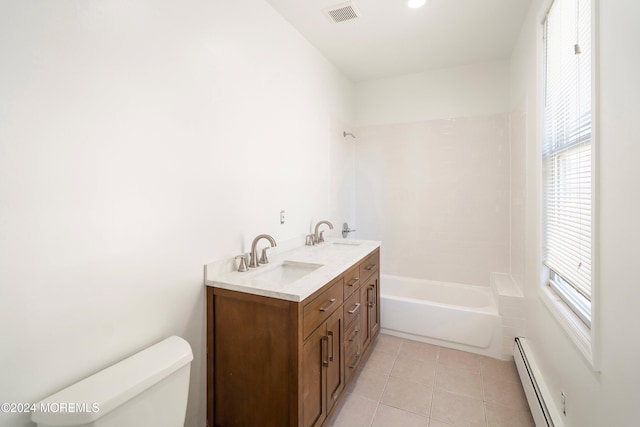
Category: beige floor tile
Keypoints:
(380, 361)
(369, 383)
(388, 343)
(419, 350)
(459, 359)
(387, 416)
(457, 410)
(498, 369)
(505, 416)
(436, 423)
(356, 411)
(504, 392)
(414, 370)
(408, 395)
(458, 380)
(404, 382)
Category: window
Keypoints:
(567, 155)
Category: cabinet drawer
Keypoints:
(369, 266)
(321, 307)
(351, 281)
(352, 363)
(352, 339)
(352, 308)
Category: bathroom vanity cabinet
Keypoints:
(274, 362)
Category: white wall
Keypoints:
(432, 171)
(138, 141)
(608, 397)
(465, 91)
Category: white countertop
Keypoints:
(335, 256)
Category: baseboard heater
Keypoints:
(528, 371)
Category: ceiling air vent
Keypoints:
(342, 12)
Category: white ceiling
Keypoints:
(389, 39)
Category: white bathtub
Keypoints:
(450, 314)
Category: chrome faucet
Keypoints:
(318, 236)
(254, 263)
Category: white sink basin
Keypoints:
(285, 273)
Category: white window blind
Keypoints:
(567, 145)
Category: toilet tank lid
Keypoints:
(97, 395)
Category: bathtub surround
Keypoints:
(437, 193)
(442, 161)
(433, 160)
(509, 299)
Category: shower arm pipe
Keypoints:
(345, 134)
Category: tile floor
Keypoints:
(406, 383)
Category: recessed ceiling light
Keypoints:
(414, 4)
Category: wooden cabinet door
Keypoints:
(365, 331)
(369, 294)
(335, 368)
(315, 360)
(373, 305)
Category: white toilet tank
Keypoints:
(148, 389)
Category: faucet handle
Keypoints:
(242, 266)
(346, 230)
(310, 239)
(263, 257)
(321, 237)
